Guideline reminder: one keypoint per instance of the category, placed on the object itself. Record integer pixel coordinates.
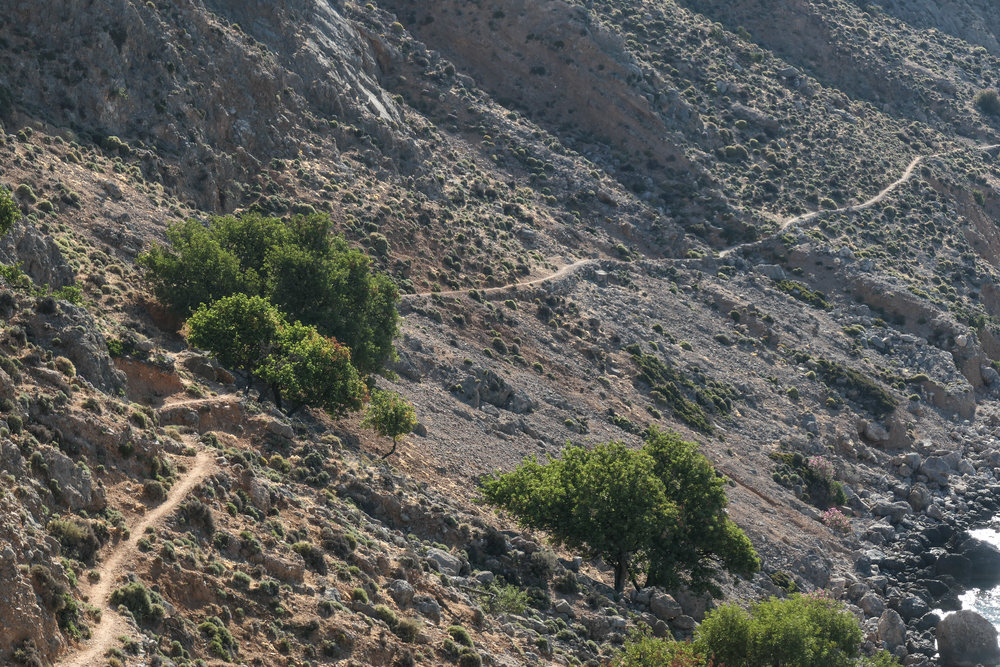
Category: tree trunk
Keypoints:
(621, 574)
(277, 395)
(391, 451)
(635, 583)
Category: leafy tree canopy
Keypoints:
(310, 274)
(239, 330)
(311, 369)
(390, 415)
(659, 508)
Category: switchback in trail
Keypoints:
(794, 220)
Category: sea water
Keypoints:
(985, 601)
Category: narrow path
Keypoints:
(115, 566)
(535, 282)
(883, 193)
(805, 217)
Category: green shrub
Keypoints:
(387, 616)
(390, 415)
(408, 629)
(241, 580)
(505, 599)
(688, 398)
(76, 537)
(154, 490)
(460, 635)
(988, 101)
(803, 631)
(313, 556)
(220, 642)
(310, 369)
(239, 330)
(9, 213)
(143, 604)
(641, 650)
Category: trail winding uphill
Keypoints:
(115, 566)
(794, 220)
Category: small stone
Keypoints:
(563, 607)
(683, 622)
(401, 591)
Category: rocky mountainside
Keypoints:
(769, 226)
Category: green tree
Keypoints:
(390, 415)
(704, 537)
(308, 368)
(9, 213)
(197, 270)
(619, 504)
(310, 274)
(239, 330)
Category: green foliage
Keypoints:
(71, 293)
(814, 298)
(390, 415)
(800, 631)
(76, 537)
(641, 650)
(869, 393)
(688, 399)
(221, 643)
(9, 213)
(661, 507)
(143, 604)
(818, 485)
(16, 278)
(311, 369)
(505, 599)
(309, 274)
(239, 330)
(988, 101)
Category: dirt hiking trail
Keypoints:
(115, 566)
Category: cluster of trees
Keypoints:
(800, 631)
(287, 302)
(658, 510)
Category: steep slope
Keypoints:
(768, 226)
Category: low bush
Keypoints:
(144, 605)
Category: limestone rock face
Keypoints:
(966, 639)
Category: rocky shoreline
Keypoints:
(915, 554)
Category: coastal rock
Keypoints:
(966, 639)
(891, 629)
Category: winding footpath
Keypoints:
(566, 270)
(116, 565)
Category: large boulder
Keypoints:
(966, 639)
(891, 629)
(936, 469)
(664, 607)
